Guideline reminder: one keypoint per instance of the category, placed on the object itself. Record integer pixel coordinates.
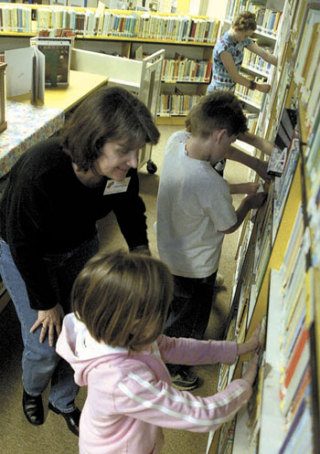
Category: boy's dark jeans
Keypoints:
(190, 309)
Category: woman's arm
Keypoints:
(230, 66)
(130, 210)
(267, 56)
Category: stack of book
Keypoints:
(267, 19)
(176, 104)
(15, 18)
(252, 97)
(295, 368)
(313, 207)
(255, 63)
(182, 69)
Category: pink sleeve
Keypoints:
(140, 396)
(192, 352)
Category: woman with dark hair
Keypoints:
(55, 194)
(228, 56)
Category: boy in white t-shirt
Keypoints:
(195, 211)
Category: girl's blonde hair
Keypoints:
(244, 22)
(123, 298)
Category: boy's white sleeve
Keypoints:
(141, 396)
(217, 204)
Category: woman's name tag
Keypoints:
(113, 187)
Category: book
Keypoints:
(25, 73)
(57, 52)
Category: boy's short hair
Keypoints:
(123, 298)
(109, 114)
(217, 110)
(246, 21)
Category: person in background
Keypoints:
(114, 342)
(55, 194)
(228, 56)
(195, 212)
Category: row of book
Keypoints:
(313, 205)
(252, 97)
(295, 390)
(106, 23)
(307, 68)
(181, 69)
(178, 105)
(255, 63)
(267, 19)
(282, 185)
(288, 415)
(234, 7)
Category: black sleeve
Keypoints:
(130, 210)
(28, 209)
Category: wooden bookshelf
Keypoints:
(289, 291)
(268, 26)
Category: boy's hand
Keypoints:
(251, 345)
(251, 372)
(261, 169)
(255, 201)
(264, 88)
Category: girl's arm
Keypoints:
(181, 350)
(142, 396)
(267, 56)
(230, 66)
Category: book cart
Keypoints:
(141, 77)
(278, 262)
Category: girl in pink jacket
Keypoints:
(113, 342)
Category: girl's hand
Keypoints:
(253, 344)
(252, 369)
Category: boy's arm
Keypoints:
(250, 202)
(258, 142)
(252, 162)
(244, 188)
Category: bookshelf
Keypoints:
(188, 42)
(278, 261)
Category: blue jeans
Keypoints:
(40, 362)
